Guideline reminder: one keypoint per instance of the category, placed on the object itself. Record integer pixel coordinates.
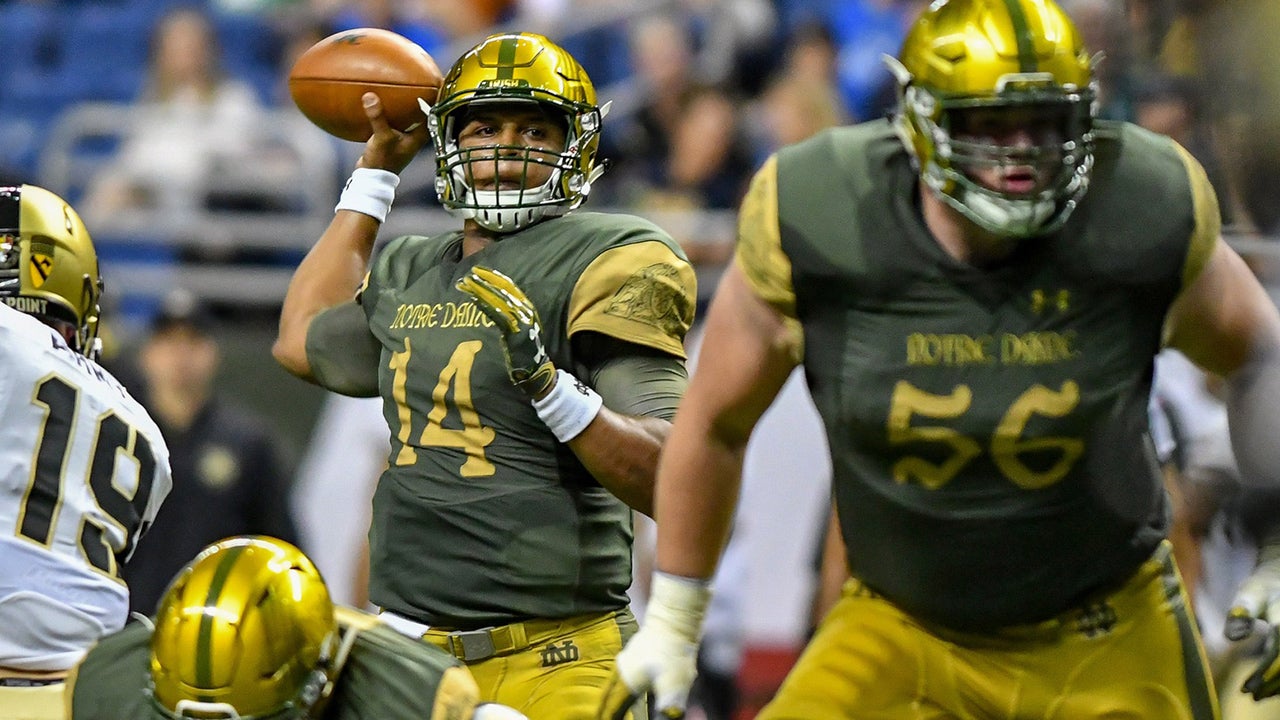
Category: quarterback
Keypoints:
(247, 630)
(83, 469)
(976, 288)
(528, 365)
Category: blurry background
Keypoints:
(168, 125)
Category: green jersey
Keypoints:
(482, 517)
(386, 676)
(988, 428)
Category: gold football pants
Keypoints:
(1131, 655)
(35, 701)
(547, 669)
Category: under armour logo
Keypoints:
(1042, 300)
(553, 654)
(581, 387)
(540, 353)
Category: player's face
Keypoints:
(513, 146)
(1018, 162)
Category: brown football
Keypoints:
(328, 79)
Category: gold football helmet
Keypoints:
(506, 68)
(246, 630)
(966, 61)
(48, 266)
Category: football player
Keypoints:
(976, 288)
(83, 469)
(528, 365)
(247, 630)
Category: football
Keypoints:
(327, 80)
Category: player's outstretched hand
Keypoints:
(663, 655)
(1257, 604)
(498, 297)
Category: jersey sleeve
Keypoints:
(641, 292)
(341, 349)
(759, 254)
(1208, 220)
(343, 353)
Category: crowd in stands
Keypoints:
(702, 90)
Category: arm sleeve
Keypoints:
(641, 385)
(343, 353)
(631, 379)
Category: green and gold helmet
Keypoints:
(246, 630)
(48, 266)
(513, 68)
(966, 61)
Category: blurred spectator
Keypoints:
(295, 166)
(227, 474)
(811, 54)
(1103, 26)
(864, 31)
(1170, 105)
(644, 118)
(679, 146)
(794, 108)
(1148, 24)
(1243, 81)
(705, 166)
(190, 118)
(801, 98)
(433, 24)
(735, 38)
(333, 492)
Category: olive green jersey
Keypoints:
(386, 676)
(988, 428)
(482, 516)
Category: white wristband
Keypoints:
(369, 191)
(678, 604)
(569, 408)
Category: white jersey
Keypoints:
(83, 470)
